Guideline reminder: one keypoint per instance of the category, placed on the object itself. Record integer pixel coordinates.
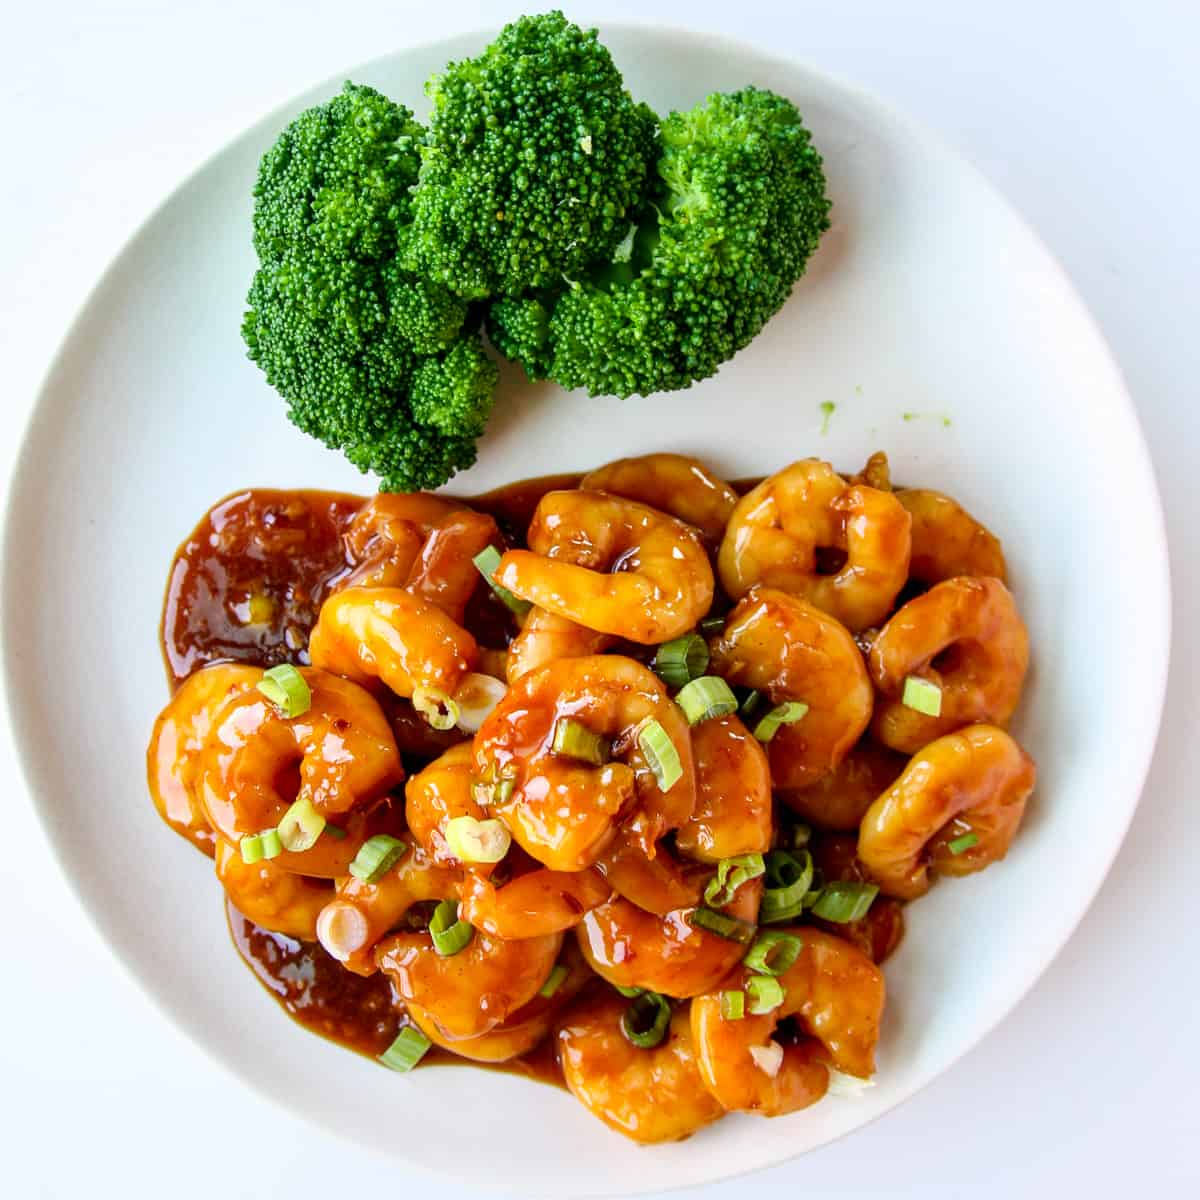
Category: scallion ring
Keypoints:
(473, 841)
(486, 562)
(786, 713)
(963, 843)
(554, 981)
(449, 934)
(407, 1050)
(788, 879)
(661, 756)
(376, 857)
(922, 695)
(573, 739)
(845, 901)
(733, 1005)
(287, 689)
(301, 825)
(680, 661)
(629, 992)
(722, 924)
(644, 1023)
(751, 703)
(764, 994)
(731, 874)
(436, 707)
(772, 953)
(704, 698)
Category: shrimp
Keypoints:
(653, 1095)
(657, 885)
(546, 636)
(947, 541)
(839, 800)
(784, 646)
(565, 812)
(443, 790)
(733, 794)
(778, 527)
(633, 948)
(472, 992)
(174, 755)
(612, 565)
(533, 904)
(973, 782)
(270, 896)
(877, 473)
(964, 635)
(879, 932)
(835, 992)
(675, 484)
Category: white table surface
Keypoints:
(1086, 115)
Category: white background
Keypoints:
(1086, 115)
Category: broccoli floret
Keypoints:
(738, 208)
(535, 159)
(371, 358)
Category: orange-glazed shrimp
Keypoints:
(877, 473)
(472, 992)
(650, 1095)
(733, 794)
(341, 748)
(270, 896)
(443, 790)
(611, 564)
(174, 755)
(839, 800)
(533, 904)
(673, 483)
(947, 541)
(778, 527)
(565, 812)
(881, 929)
(973, 782)
(834, 991)
(546, 636)
(658, 885)
(964, 635)
(783, 646)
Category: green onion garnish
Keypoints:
(629, 992)
(682, 660)
(750, 704)
(711, 626)
(251, 846)
(846, 901)
(706, 697)
(963, 843)
(922, 696)
(575, 740)
(286, 688)
(473, 841)
(407, 1050)
(773, 953)
(486, 562)
(376, 857)
(645, 1021)
(450, 935)
(764, 994)
(722, 924)
(782, 714)
(272, 847)
(553, 981)
(655, 744)
(335, 831)
(301, 825)
(436, 707)
(733, 1005)
(788, 879)
(731, 874)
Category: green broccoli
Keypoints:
(737, 209)
(371, 359)
(535, 161)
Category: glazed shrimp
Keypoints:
(565, 812)
(533, 904)
(613, 565)
(270, 896)
(783, 646)
(650, 1095)
(778, 527)
(877, 473)
(880, 931)
(975, 781)
(964, 635)
(839, 800)
(173, 757)
(443, 790)
(834, 991)
(948, 541)
(675, 484)
(546, 636)
(657, 885)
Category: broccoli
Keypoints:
(371, 358)
(535, 160)
(737, 208)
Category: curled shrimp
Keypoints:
(546, 636)
(270, 896)
(782, 645)
(964, 635)
(653, 1095)
(445, 789)
(877, 473)
(174, 755)
(835, 992)
(778, 527)
(675, 484)
(613, 565)
(839, 800)
(880, 930)
(565, 812)
(973, 782)
(657, 885)
(532, 904)
(947, 541)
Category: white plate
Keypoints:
(928, 296)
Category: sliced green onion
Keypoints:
(486, 562)
(733, 1005)
(628, 992)
(436, 707)
(764, 994)
(773, 953)
(846, 901)
(801, 835)
(286, 688)
(786, 713)
(477, 696)
(553, 981)
(335, 831)
(722, 924)
(376, 857)
(711, 626)
(645, 1021)
(272, 847)
(301, 825)
(731, 874)
(788, 880)
(503, 790)
(922, 696)
(750, 704)
(682, 660)
(706, 697)
(407, 1050)
(450, 935)
(473, 841)
(963, 843)
(660, 753)
(250, 844)
(575, 740)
